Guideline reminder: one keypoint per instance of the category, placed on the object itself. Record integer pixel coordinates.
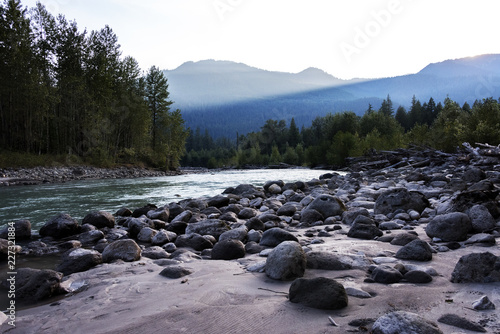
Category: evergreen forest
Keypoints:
(70, 96)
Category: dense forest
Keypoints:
(334, 137)
(70, 95)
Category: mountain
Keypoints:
(227, 97)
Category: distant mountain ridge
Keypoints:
(227, 97)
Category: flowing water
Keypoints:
(41, 202)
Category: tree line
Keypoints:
(332, 138)
(71, 93)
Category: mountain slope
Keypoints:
(226, 97)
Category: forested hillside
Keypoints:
(71, 94)
(330, 139)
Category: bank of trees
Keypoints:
(334, 137)
(71, 93)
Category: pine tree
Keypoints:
(158, 102)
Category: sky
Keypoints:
(345, 38)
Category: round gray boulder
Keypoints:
(60, 226)
(78, 260)
(449, 227)
(477, 268)
(22, 230)
(228, 249)
(481, 219)
(416, 250)
(400, 198)
(327, 205)
(126, 250)
(286, 262)
(99, 219)
(274, 236)
(400, 322)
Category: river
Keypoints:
(39, 203)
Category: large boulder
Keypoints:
(449, 227)
(161, 213)
(477, 268)
(327, 205)
(286, 262)
(416, 250)
(90, 237)
(213, 227)
(34, 284)
(99, 219)
(401, 322)
(228, 249)
(274, 236)
(126, 250)
(22, 230)
(78, 260)
(194, 241)
(320, 292)
(481, 219)
(135, 225)
(239, 233)
(400, 199)
(364, 228)
(60, 226)
(386, 275)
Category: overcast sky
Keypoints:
(346, 38)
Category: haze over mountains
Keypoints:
(226, 97)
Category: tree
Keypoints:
(158, 102)
(386, 107)
(294, 137)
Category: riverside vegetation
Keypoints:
(385, 250)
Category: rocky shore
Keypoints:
(402, 248)
(38, 175)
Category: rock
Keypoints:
(146, 234)
(417, 276)
(126, 250)
(22, 230)
(482, 304)
(321, 293)
(253, 247)
(175, 272)
(364, 228)
(183, 216)
(477, 268)
(328, 206)
(213, 227)
(473, 175)
(416, 250)
(60, 226)
(228, 249)
(326, 261)
(274, 189)
(239, 233)
(286, 262)
(274, 236)
(247, 213)
(155, 252)
(386, 275)
(245, 190)
(348, 217)
(78, 260)
(99, 219)
(401, 322)
(255, 224)
(449, 227)
(391, 225)
(481, 219)
(287, 210)
(177, 227)
(403, 239)
(194, 241)
(162, 214)
(34, 284)
(310, 216)
(135, 225)
(353, 292)
(218, 201)
(6, 249)
(400, 198)
(481, 239)
(460, 322)
(144, 210)
(163, 237)
(254, 235)
(123, 212)
(90, 237)
(229, 216)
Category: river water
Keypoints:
(39, 203)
